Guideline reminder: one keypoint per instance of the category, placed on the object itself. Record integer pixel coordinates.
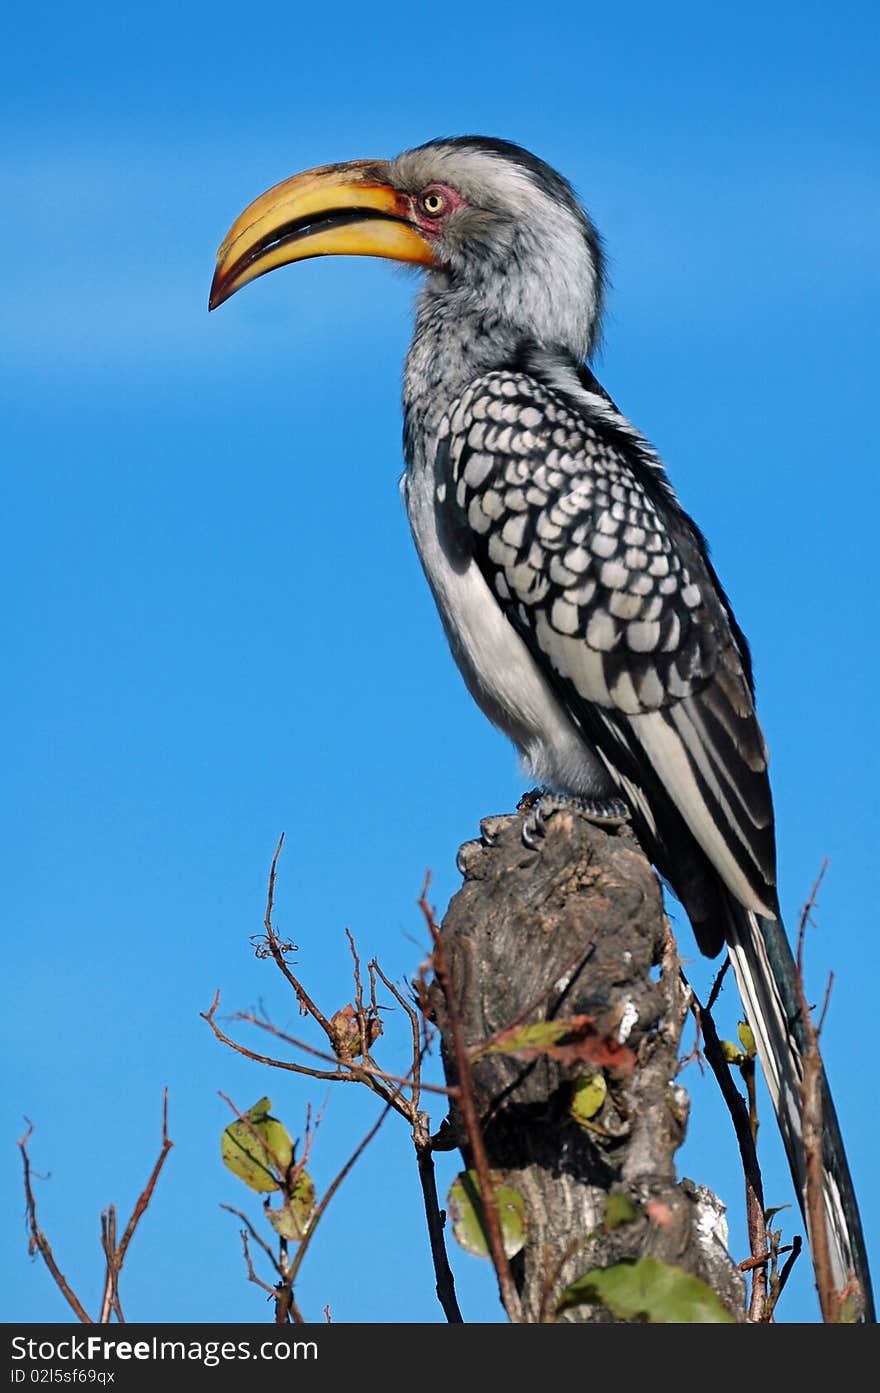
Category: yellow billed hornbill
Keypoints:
(577, 595)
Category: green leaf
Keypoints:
(590, 1091)
(540, 1035)
(646, 1289)
(258, 1148)
(620, 1209)
(771, 1213)
(465, 1206)
(291, 1220)
(746, 1038)
(851, 1311)
(732, 1053)
(577, 1039)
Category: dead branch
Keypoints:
(351, 1034)
(421, 1135)
(811, 1099)
(114, 1254)
(745, 1128)
(444, 1278)
(38, 1240)
(277, 952)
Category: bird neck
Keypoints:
(454, 342)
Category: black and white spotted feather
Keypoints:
(574, 526)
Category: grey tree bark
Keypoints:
(576, 929)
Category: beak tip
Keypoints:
(215, 295)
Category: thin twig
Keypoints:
(114, 1254)
(416, 1033)
(240, 1214)
(718, 984)
(825, 1004)
(343, 1073)
(147, 1193)
(40, 1242)
(742, 1125)
(315, 1217)
(386, 1086)
(811, 1113)
(567, 975)
(252, 1275)
(286, 1307)
(110, 1298)
(470, 1116)
(553, 1273)
(282, 1292)
(445, 1279)
(360, 1013)
(310, 1132)
(694, 1054)
(806, 912)
(749, 1264)
(290, 1065)
(370, 1074)
(307, 1005)
(778, 1286)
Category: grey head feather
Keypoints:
(523, 253)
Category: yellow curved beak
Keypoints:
(336, 210)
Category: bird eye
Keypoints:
(432, 202)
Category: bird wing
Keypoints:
(580, 538)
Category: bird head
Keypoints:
(499, 232)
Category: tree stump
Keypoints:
(575, 931)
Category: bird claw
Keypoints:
(604, 812)
(534, 824)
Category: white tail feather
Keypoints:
(765, 1008)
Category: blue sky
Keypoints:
(216, 626)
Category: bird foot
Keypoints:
(604, 812)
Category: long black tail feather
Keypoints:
(766, 975)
